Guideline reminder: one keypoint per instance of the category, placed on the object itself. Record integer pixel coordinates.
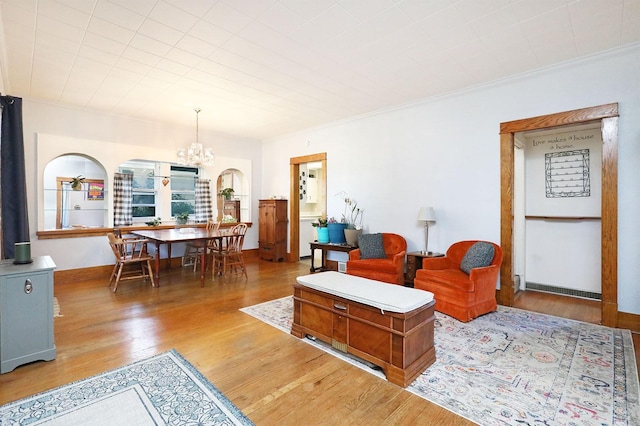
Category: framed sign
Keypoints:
(96, 190)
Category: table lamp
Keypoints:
(428, 216)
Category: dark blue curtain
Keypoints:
(13, 185)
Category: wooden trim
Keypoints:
(609, 224)
(576, 116)
(104, 271)
(294, 196)
(92, 232)
(507, 286)
(629, 321)
(563, 217)
(608, 115)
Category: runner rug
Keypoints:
(516, 367)
(162, 390)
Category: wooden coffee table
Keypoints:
(399, 342)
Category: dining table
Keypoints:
(182, 235)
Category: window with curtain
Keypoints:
(183, 189)
(144, 188)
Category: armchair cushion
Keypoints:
(371, 246)
(480, 254)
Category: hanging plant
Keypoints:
(76, 183)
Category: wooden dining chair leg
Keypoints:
(115, 285)
(150, 272)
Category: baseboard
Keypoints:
(104, 271)
(629, 321)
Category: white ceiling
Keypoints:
(261, 68)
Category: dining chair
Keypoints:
(229, 259)
(193, 250)
(130, 252)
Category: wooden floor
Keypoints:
(273, 377)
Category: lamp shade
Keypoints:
(427, 214)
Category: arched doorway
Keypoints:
(607, 115)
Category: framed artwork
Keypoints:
(96, 190)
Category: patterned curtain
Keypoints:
(204, 208)
(122, 199)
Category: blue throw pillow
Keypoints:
(478, 255)
(371, 246)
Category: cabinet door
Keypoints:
(267, 223)
(26, 316)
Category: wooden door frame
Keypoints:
(607, 115)
(294, 204)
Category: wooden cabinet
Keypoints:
(232, 208)
(26, 313)
(272, 229)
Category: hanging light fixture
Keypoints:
(196, 154)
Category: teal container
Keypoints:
(336, 233)
(323, 235)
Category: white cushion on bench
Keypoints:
(387, 297)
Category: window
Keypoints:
(183, 189)
(144, 191)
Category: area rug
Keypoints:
(514, 367)
(162, 390)
(56, 307)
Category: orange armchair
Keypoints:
(389, 269)
(458, 294)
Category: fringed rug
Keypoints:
(516, 367)
(162, 390)
(56, 307)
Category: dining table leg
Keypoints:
(157, 272)
(203, 263)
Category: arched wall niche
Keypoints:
(237, 206)
(66, 207)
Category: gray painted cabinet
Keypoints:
(26, 312)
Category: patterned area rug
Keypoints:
(164, 389)
(517, 367)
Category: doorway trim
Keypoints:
(294, 204)
(607, 115)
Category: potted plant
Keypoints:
(336, 231)
(352, 216)
(321, 227)
(154, 222)
(226, 193)
(182, 217)
(76, 183)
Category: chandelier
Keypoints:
(196, 154)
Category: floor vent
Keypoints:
(565, 291)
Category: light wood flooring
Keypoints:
(273, 377)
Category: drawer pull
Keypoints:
(340, 307)
(28, 286)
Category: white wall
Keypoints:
(51, 130)
(444, 153)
